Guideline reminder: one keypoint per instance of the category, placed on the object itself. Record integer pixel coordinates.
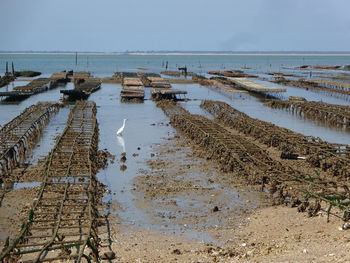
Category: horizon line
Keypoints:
(173, 51)
(185, 53)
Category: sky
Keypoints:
(196, 25)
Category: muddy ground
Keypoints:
(14, 210)
(183, 192)
(16, 197)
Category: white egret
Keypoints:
(120, 131)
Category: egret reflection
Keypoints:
(121, 142)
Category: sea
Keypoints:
(102, 65)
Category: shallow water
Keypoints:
(139, 132)
(16, 83)
(53, 129)
(26, 185)
(9, 110)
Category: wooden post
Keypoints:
(13, 70)
(7, 68)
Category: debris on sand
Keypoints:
(123, 167)
(216, 209)
(123, 159)
(176, 252)
(108, 255)
(102, 158)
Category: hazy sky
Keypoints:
(221, 25)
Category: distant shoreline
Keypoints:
(242, 54)
(300, 54)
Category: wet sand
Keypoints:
(191, 196)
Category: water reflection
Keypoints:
(121, 142)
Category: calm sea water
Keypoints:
(105, 65)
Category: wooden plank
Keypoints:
(133, 88)
(82, 75)
(156, 78)
(59, 75)
(250, 85)
(132, 82)
(131, 92)
(159, 82)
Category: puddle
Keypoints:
(26, 185)
(9, 186)
(54, 128)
